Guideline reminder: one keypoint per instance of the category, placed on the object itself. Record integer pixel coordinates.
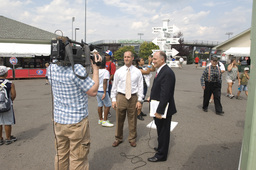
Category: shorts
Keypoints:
(105, 102)
(230, 81)
(243, 88)
(7, 118)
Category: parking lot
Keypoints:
(200, 141)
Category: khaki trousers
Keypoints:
(72, 146)
(128, 107)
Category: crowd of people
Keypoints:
(211, 82)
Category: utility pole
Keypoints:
(85, 20)
(73, 19)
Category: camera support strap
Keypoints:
(69, 54)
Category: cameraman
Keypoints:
(71, 124)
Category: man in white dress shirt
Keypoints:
(126, 101)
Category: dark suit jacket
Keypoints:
(163, 90)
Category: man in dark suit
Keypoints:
(163, 91)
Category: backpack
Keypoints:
(5, 103)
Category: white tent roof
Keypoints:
(238, 51)
(24, 50)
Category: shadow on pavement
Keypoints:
(212, 157)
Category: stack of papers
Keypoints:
(153, 107)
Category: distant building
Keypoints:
(237, 46)
(28, 45)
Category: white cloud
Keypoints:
(210, 4)
(155, 17)
(139, 25)
(214, 3)
(123, 19)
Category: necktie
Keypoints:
(156, 75)
(128, 88)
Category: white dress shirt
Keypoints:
(158, 70)
(119, 82)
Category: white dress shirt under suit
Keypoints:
(120, 80)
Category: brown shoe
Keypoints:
(133, 144)
(116, 143)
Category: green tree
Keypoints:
(146, 49)
(119, 54)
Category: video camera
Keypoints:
(66, 52)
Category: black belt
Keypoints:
(124, 94)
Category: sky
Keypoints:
(202, 20)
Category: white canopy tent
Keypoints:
(238, 51)
(24, 50)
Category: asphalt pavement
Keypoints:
(200, 141)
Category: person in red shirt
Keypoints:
(111, 67)
(196, 61)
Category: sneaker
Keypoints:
(107, 124)
(8, 142)
(109, 114)
(13, 138)
(238, 98)
(227, 95)
(100, 122)
(231, 96)
(1, 141)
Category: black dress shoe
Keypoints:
(143, 114)
(156, 149)
(155, 159)
(220, 113)
(205, 110)
(140, 117)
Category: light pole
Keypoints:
(140, 34)
(73, 19)
(229, 33)
(75, 32)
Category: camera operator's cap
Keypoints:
(3, 70)
(214, 59)
(108, 52)
(246, 69)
